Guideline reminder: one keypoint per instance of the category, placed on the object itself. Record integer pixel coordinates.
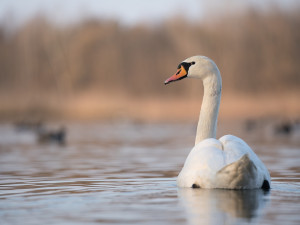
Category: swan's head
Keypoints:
(194, 67)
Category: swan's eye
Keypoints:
(186, 65)
(179, 66)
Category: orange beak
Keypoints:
(180, 74)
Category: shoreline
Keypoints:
(92, 107)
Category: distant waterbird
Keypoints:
(52, 136)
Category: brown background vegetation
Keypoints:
(98, 69)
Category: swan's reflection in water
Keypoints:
(216, 206)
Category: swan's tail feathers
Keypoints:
(238, 175)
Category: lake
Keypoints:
(125, 173)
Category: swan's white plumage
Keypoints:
(225, 163)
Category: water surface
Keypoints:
(126, 174)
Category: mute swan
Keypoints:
(227, 163)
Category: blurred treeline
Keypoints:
(257, 52)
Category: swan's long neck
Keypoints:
(207, 125)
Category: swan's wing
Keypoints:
(235, 150)
(241, 174)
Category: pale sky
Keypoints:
(128, 12)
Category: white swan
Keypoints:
(225, 163)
